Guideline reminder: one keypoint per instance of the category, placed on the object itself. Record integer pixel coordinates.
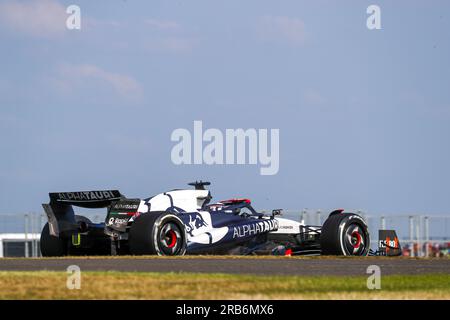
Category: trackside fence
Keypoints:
(420, 235)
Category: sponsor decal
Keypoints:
(388, 243)
(251, 229)
(86, 195)
(196, 221)
(117, 221)
(126, 206)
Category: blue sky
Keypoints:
(364, 115)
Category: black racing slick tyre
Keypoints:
(52, 246)
(345, 234)
(159, 233)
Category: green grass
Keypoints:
(141, 285)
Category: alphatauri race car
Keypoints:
(183, 221)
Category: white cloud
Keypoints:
(91, 23)
(124, 85)
(162, 24)
(171, 45)
(168, 38)
(313, 97)
(283, 28)
(40, 18)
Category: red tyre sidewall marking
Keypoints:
(358, 241)
(173, 239)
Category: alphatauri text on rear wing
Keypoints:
(60, 213)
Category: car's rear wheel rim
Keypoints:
(355, 240)
(170, 239)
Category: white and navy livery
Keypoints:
(183, 221)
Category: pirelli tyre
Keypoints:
(160, 233)
(52, 246)
(345, 234)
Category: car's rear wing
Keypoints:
(59, 211)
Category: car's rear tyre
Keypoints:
(160, 233)
(345, 234)
(52, 246)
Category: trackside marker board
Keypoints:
(388, 243)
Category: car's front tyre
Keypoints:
(345, 234)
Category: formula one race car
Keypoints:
(183, 221)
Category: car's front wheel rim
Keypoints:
(355, 240)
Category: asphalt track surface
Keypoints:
(271, 266)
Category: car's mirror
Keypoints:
(277, 212)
